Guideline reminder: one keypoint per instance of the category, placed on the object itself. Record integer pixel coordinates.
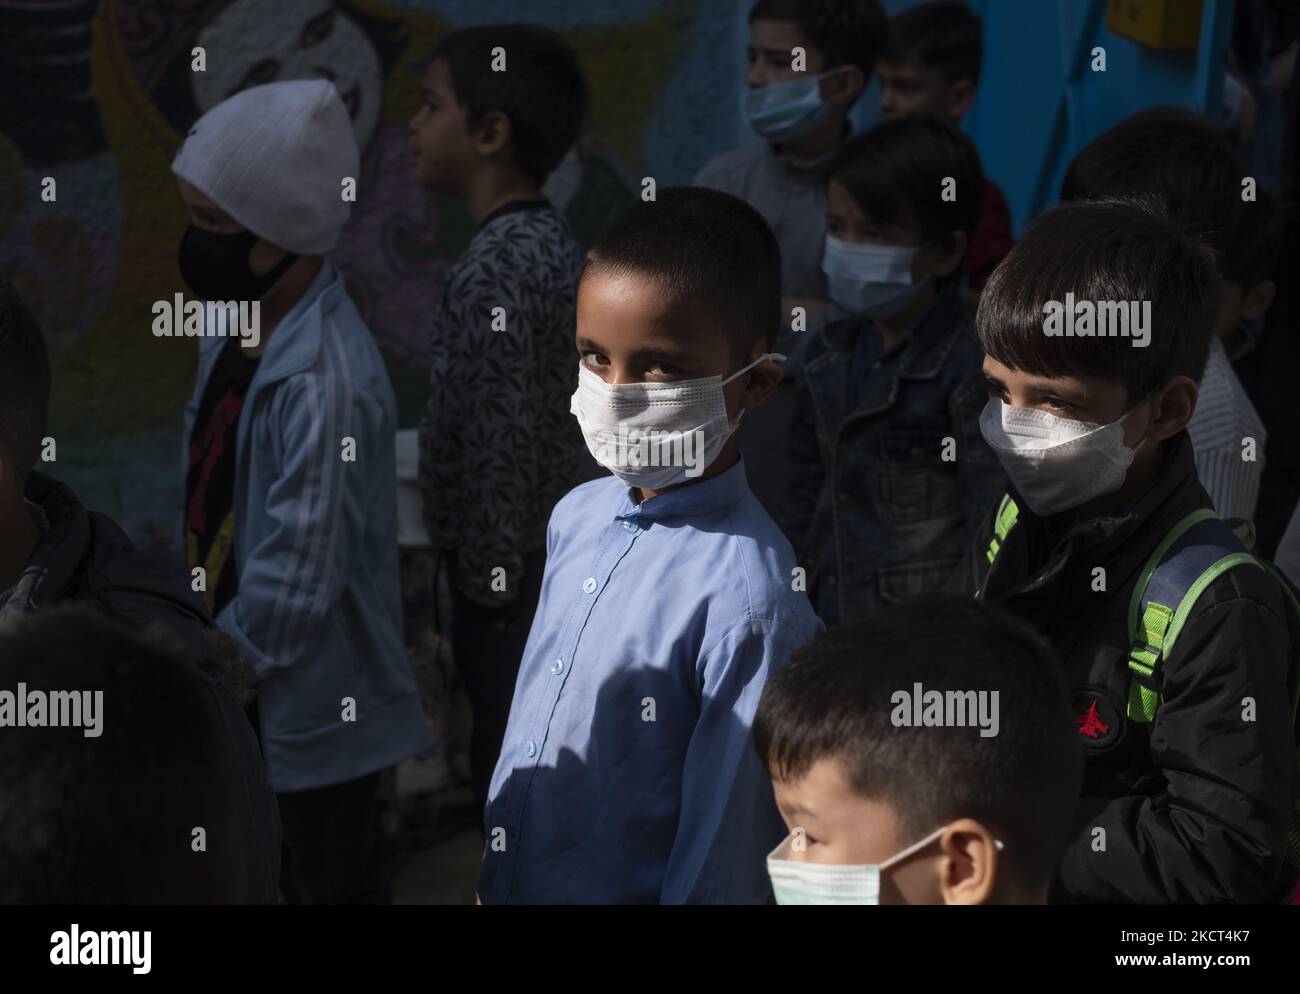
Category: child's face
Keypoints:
(770, 53)
(908, 89)
(836, 825)
(440, 139)
(845, 220)
(207, 216)
(630, 331)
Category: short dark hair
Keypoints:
(946, 36)
(846, 32)
(705, 245)
(895, 171)
(109, 819)
(542, 91)
(1177, 155)
(833, 700)
(1120, 249)
(24, 383)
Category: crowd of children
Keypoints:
(792, 556)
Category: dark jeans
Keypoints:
(333, 845)
(332, 841)
(487, 644)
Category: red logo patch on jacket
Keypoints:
(1097, 719)
(1090, 724)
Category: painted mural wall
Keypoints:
(97, 95)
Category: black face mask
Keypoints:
(215, 266)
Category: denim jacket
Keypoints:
(884, 494)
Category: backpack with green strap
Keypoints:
(1198, 549)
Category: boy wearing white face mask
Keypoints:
(800, 109)
(668, 597)
(883, 809)
(1181, 698)
(889, 476)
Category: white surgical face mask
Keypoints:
(1056, 463)
(874, 281)
(655, 435)
(829, 883)
(786, 112)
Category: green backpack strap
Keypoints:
(1003, 522)
(1197, 551)
(1244, 529)
(1007, 514)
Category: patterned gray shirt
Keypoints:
(498, 446)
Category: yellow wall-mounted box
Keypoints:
(1169, 24)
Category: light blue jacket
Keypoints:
(318, 611)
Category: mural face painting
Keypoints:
(94, 258)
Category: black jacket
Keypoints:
(86, 556)
(1195, 808)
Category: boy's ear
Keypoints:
(845, 86)
(961, 95)
(493, 134)
(1174, 407)
(1258, 299)
(970, 863)
(952, 254)
(758, 383)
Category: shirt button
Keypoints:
(531, 748)
(589, 584)
(557, 667)
(631, 527)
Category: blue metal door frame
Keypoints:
(1040, 101)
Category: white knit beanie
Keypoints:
(274, 158)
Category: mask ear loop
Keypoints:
(916, 847)
(911, 850)
(773, 356)
(1124, 417)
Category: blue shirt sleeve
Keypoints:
(729, 822)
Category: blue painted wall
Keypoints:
(1040, 102)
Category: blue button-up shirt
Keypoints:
(627, 774)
